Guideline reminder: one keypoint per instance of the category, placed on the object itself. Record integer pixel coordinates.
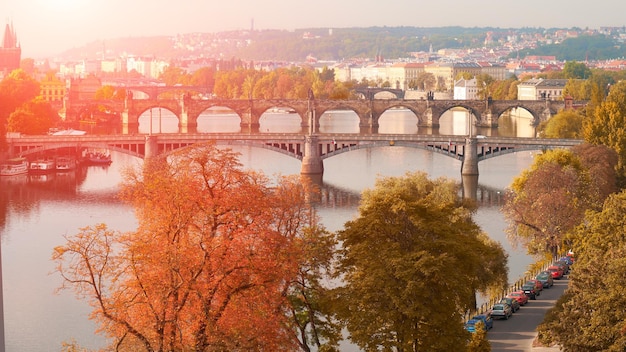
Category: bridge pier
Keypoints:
(152, 146)
(470, 157)
(470, 186)
(312, 163)
(186, 125)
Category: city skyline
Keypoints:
(48, 27)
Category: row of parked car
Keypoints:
(530, 290)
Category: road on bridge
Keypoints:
(517, 333)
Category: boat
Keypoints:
(97, 158)
(42, 166)
(14, 166)
(66, 163)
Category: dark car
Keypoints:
(515, 306)
(545, 277)
(501, 311)
(530, 290)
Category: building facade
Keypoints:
(541, 89)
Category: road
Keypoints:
(518, 333)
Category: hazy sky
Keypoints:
(47, 27)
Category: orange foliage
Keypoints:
(209, 265)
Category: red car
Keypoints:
(556, 271)
(519, 296)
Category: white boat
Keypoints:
(14, 166)
(66, 163)
(42, 166)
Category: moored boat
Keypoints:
(66, 163)
(97, 158)
(41, 166)
(14, 166)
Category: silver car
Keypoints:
(501, 311)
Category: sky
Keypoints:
(47, 27)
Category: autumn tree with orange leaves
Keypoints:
(218, 257)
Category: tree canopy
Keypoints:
(412, 262)
(550, 198)
(590, 317)
(606, 127)
(222, 259)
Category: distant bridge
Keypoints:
(428, 112)
(310, 149)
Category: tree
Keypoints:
(426, 81)
(212, 265)
(413, 235)
(15, 89)
(565, 124)
(550, 199)
(573, 69)
(479, 341)
(588, 319)
(605, 127)
(34, 117)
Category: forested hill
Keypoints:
(344, 43)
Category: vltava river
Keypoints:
(36, 213)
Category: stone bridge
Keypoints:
(428, 112)
(310, 149)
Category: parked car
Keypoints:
(556, 271)
(519, 296)
(538, 285)
(563, 266)
(486, 318)
(530, 289)
(567, 260)
(515, 306)
(501, 311)
(472, 324)
(545, 277)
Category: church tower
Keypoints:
(10, 51)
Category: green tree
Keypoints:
(411, 235)
(565, 124)
(573, 69)
(592, 319)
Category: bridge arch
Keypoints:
(372, 92)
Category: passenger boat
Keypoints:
(14, 166)
(97, 158)
(66, 163)
(42, 166)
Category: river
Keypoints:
(37, 212)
